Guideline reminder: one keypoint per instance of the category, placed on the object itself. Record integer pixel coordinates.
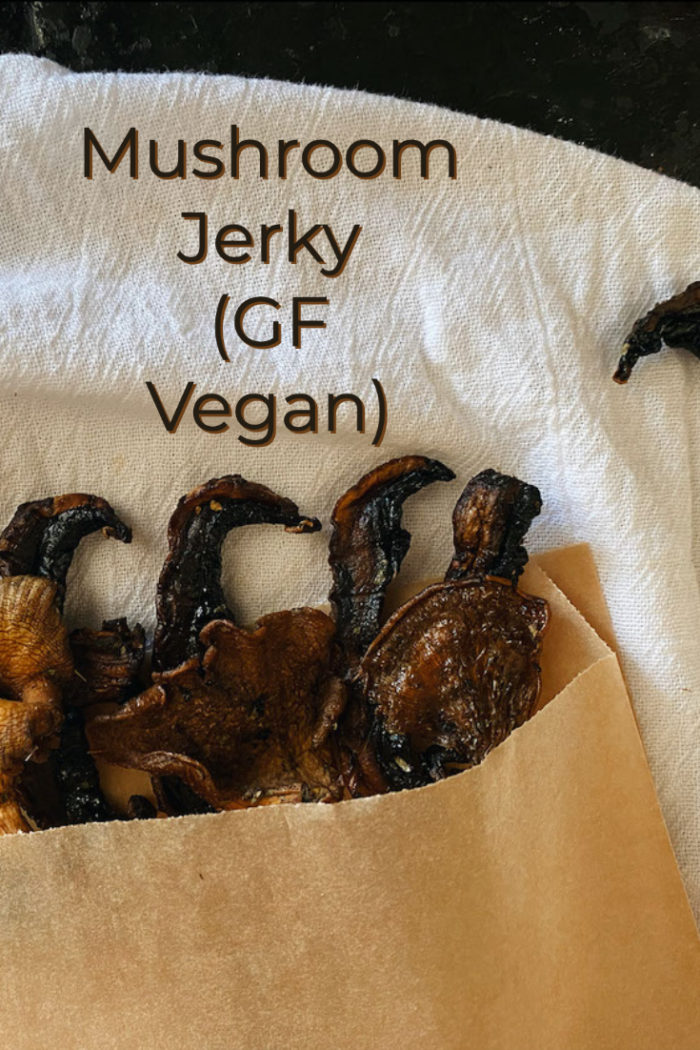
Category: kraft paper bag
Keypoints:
(531, 903)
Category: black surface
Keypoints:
(620, 77)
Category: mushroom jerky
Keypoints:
(303, 706)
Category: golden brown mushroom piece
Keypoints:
(239, 717)
(36, 663)
(455, 669)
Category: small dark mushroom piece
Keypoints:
(108, 663)
(238, 717)
(36, 663)
(674, 323)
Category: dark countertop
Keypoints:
(623, 78)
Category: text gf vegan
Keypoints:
(237, 245)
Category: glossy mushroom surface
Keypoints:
(303, 706)
(451, 675)
(456, 669)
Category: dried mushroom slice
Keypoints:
(489, 523)
(239, 717)
(368, 545)
(65, 789)
(456, 669)
(244, 725)
(36, 550)
(451, 675)
(108, 663)
(77, 779)
(674, 323)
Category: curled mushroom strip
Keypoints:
(489, 523)
(239, 717)
(43, 535)
(674, 323)
(190, 594)
(456, 669)
(368, 545)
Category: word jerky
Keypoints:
(232, 241)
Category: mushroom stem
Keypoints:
(368, 546)
(490, 521)
(190, 594)
(44, 534)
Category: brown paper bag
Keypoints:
(532, 903)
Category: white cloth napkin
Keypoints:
(491, 307)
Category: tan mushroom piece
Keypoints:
(35, 665)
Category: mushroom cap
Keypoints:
(457, 666)
(245, 725)
(33, 640)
